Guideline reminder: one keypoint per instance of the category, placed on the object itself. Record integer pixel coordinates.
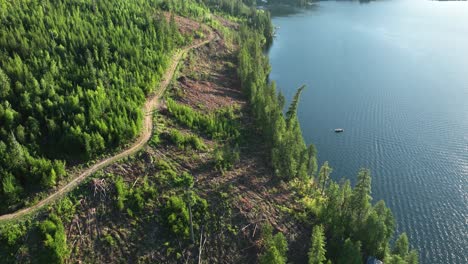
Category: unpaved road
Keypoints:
(151, 103)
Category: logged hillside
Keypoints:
(73, 79)
(226, 176)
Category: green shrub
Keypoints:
(65, 208)
(199, 34)
(184, 141)
(225, 157)
(222, 124)
(276, 247)
(176, 216)
(134, 199)
(195, 142)
(177, 138)
(121, 192)
(110, 240)
(185, 180)
(163, 165)
(11, 240)
(155, 140)
(54, 247)
(137, 201)
(10, 234)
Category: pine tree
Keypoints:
(412, 257)
(324, 176)
(311, 161)
(276, 247)
(351, 253)
(317, 249)
(401, 247)
(10, 188)
(4, 85)
(292, 110)
(361, 198)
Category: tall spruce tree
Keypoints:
(350, 253)
(324, 176)
(318, 247)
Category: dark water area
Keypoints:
(394, 75)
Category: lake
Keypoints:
(394, 75)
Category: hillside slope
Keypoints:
(225, 177)
(73, 80)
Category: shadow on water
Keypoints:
(284, 10)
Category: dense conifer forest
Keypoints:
(74, 75)
(73, 78)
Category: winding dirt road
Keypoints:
(151, 103)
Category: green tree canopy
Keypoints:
(318, 247)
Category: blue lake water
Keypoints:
(394, 75)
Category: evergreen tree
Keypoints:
(311, 161)
(276, 247)
(350, 253)
(401, 247)
(318, 247)
(361, 198)
(324, 176)
(412, 257)
(55, 248)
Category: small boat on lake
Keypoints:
(339, 130)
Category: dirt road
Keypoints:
(151, 103)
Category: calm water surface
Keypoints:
(394, 75)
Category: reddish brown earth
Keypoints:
(209, 82)
(186, 26)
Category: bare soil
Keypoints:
(209, 79)
(186, 26)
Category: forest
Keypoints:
(73, 78)
(347, 227)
